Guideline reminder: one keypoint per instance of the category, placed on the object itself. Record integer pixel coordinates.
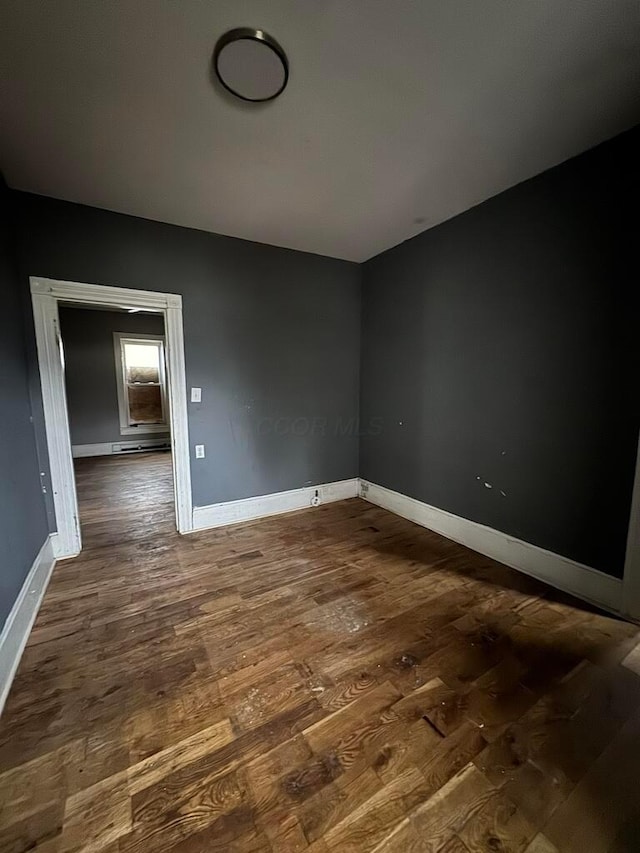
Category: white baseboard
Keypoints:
(249, 509)
(22, 616)
(565, 574)
(109, 448)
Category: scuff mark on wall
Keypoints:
(490, 485)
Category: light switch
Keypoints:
(199, 451)
(196, 395)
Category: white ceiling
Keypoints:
(398, 113)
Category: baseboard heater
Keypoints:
(120, 447)
(140, 446)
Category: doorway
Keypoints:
(117, 402)
(158, 406)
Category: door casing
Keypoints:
(45, 296)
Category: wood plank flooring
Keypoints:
(336, 679)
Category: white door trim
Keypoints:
(45, 295)
(631, 579)
(54, 401)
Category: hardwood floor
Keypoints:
(336, 679)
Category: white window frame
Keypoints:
(126, 427)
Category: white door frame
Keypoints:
(45, 295)
(631, 578)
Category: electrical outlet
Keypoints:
(199, 451)
(196, 395)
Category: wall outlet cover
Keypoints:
(199, 451)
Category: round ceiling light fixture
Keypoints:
(251, 64)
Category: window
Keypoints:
(140, 375)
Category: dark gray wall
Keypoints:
(92, 393)
(23, 526)
(499, 348)
(271, 336)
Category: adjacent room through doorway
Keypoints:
(126, 386)
(117, 401)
